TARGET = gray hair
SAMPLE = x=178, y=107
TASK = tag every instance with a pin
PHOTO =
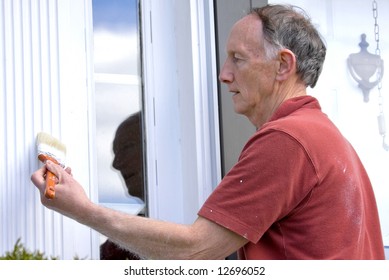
x=289, y=27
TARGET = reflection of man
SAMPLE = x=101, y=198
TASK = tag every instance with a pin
x=127, y=148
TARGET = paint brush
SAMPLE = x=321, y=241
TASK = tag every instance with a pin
x=50, y=148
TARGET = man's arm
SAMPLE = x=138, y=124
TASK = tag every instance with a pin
x=151, y=239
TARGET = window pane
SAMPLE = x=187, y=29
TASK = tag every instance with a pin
x=116, y=36
x=119, y=128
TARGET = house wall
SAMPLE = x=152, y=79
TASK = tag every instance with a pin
x=44, y=87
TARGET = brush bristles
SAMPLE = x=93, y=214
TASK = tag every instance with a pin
x=51, y=146
x=45, y=138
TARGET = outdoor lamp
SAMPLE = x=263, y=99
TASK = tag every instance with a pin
x=363, y=66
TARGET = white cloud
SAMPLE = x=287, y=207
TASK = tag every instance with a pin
x=116, y=52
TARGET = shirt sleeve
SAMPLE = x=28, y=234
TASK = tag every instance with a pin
x=273, y=175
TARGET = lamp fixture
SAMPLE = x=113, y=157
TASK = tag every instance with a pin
x=363, y=65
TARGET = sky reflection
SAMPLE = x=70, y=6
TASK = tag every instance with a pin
x=117, y=87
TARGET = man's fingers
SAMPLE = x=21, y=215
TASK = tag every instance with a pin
x=55, y=169
x=38, y=178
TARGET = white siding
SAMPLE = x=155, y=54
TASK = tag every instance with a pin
x=43, y=81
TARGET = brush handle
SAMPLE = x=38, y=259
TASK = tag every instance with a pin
x=50, y=177
x=50, y=183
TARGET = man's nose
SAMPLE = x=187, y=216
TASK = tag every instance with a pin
x=225, y=75
x=116, y=162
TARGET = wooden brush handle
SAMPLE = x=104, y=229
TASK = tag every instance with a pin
x=50, y=177
x=50, y=183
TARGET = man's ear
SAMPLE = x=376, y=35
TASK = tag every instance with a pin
x=287, y=64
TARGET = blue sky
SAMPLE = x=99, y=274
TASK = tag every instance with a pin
x=115, y=14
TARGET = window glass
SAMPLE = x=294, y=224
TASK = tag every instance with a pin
x=119, y=129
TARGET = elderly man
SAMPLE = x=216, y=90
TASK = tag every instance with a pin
x=298, y=190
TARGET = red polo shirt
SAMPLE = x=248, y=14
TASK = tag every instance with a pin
x=299, y=191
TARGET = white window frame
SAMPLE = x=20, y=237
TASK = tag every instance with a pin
x=180, y=106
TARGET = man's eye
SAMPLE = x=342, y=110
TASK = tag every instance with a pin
x=237, y=57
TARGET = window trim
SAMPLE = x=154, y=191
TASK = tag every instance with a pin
x=175, y=163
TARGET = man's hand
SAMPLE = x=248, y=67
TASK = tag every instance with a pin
x=70, y=198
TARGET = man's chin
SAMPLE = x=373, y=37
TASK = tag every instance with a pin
x=238, y=109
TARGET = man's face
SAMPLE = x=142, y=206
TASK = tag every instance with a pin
x=249, y=75
x=128, y=156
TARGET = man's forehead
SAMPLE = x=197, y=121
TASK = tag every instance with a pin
x=249, y=23
x=246, y=31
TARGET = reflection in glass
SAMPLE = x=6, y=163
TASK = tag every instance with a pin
x=128, y=154
x=119, y=136
x=116, y=37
